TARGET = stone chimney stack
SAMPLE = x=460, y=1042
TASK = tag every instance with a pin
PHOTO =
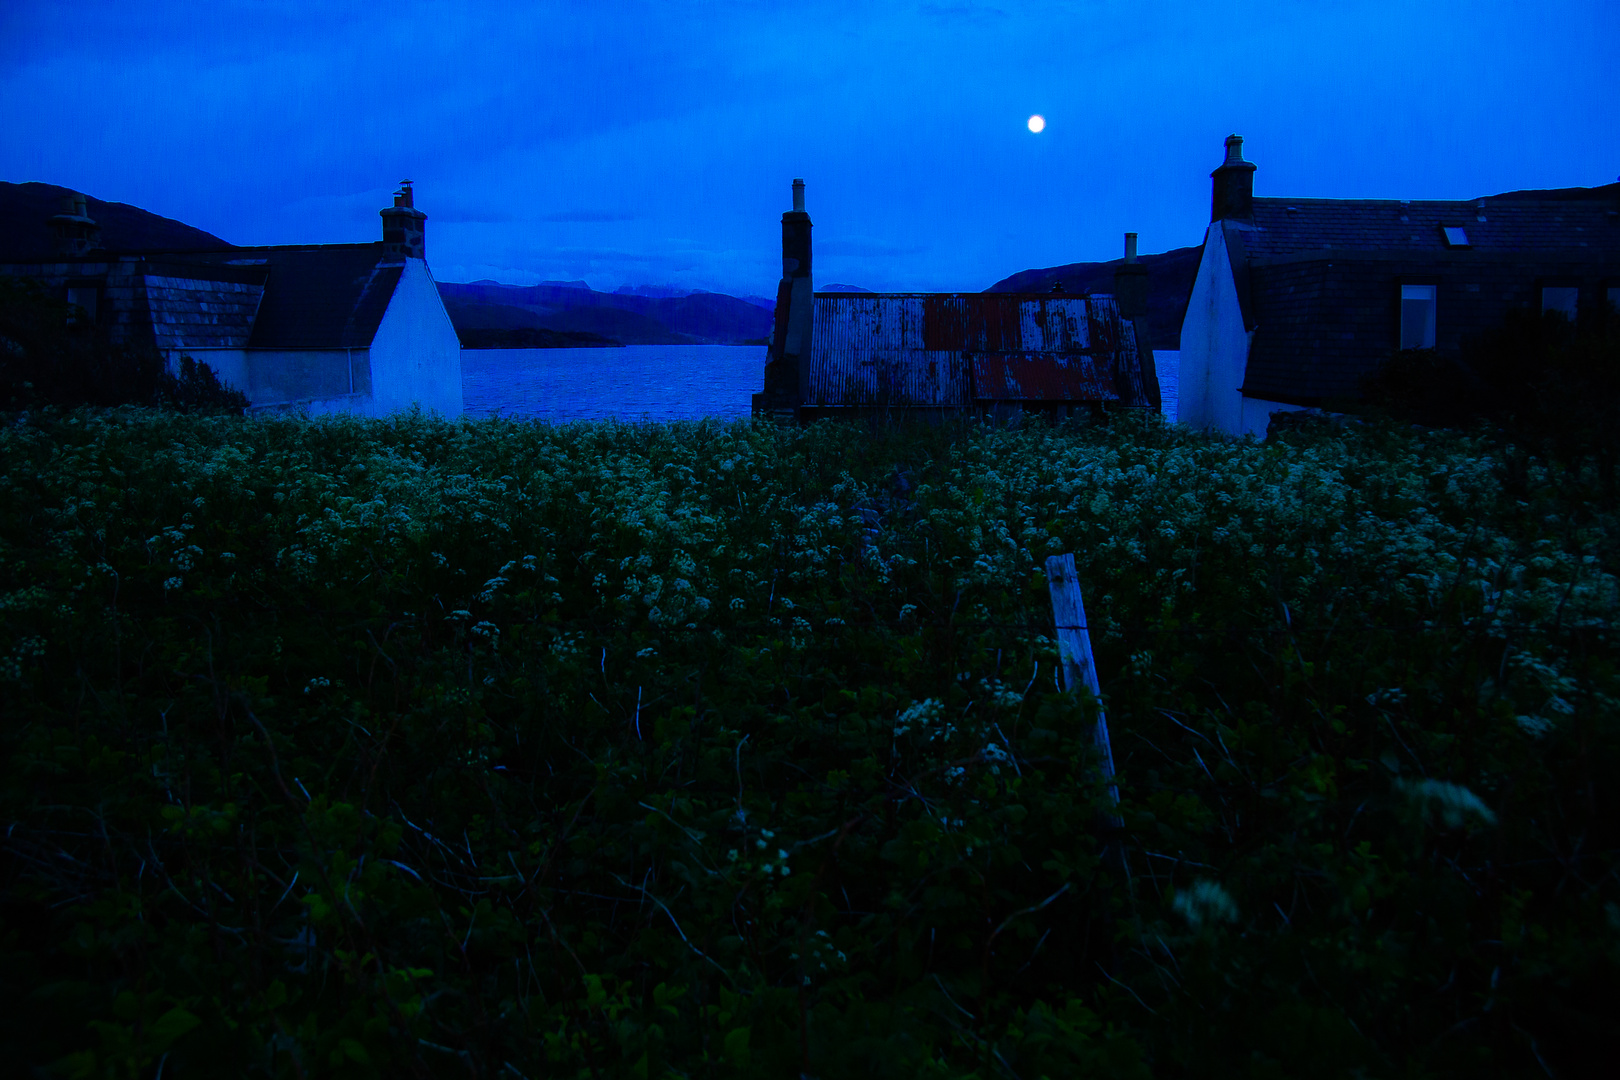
x=785, y=363
x=796, y=237
x=75, y=233
x=404, y=236
x=1233, y=195
x=1131, y=283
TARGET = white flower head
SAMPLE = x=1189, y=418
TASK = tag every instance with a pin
x=1204, y=902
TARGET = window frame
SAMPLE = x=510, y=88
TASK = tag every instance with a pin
x=1401, y=299
x=1549, y=284
x=92, y=310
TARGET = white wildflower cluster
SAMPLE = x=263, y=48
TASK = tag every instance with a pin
x=1548, y=689
x=999, y=695
x=1453, y=804
x=1204, y=903
x=821, y=954
x=927, y=718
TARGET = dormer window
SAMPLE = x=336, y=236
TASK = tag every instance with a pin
x=1456, y=236
x=1417, y=316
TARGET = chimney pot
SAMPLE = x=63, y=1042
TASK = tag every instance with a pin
x=404, y=232
x=1233, y=192
x=1130, y=283
x=75, y=234
x=798, y=196
x=1479, y=210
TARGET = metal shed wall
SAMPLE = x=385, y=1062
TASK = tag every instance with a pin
x=949, y=350
x=868, y=350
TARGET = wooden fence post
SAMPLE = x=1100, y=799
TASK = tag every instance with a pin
x=1075, y=660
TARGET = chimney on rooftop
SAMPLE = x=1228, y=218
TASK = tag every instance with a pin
x=74, y=232
x=786, y=360
x=1233, y=195
x=404, y=236
x=1131, y=283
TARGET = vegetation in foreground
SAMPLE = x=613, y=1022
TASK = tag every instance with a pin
x=407, y=747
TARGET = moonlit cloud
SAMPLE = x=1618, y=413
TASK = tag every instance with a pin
x=538, y=133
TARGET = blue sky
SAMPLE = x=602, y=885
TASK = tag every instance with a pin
x=654, y=143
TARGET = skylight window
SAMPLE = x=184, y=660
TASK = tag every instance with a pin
x=1456, y=235
x=1417, y=316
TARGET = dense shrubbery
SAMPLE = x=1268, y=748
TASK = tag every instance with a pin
x=52, y=354
x=1536, y=381
x=412, y=747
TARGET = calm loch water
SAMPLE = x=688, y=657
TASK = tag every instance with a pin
x=637, y=382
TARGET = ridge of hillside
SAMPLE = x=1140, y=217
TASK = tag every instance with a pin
x=25, y=231
x=1170, y=280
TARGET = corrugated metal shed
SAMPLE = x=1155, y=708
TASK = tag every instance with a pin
x=950, y=350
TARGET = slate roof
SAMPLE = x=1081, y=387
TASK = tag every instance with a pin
x=1318, y=279
x=330, y=296
x=1512, y=224
x=212, y=311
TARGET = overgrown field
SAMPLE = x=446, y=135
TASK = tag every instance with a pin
x=388, y=748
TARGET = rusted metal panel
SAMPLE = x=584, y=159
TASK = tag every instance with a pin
x=1040, y=376
x=867, y=351
x=974, y=322
x=1055, y=324
x=950, y=349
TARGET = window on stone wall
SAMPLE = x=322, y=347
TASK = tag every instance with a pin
x=1560, y=298
x=1614, y=297
x=1417, y=316
x=84, y=298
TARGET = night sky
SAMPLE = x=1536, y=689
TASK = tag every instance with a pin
x=654, y=143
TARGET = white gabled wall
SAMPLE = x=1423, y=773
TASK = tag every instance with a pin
x=1167, y=365
x=1214, y=344
x=416, y=356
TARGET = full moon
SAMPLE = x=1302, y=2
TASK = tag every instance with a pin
x=1037, y=123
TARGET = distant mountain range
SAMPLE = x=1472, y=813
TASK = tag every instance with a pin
x=700, y=318
x=1170, y=280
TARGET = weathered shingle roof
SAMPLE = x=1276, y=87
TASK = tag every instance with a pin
x=330, y=296
x=200, y=306
x=1318, y=279
x=1512, y=224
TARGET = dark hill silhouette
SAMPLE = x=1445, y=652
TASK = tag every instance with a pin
x=701, y=318
x=25, y=232
x=1170, y=280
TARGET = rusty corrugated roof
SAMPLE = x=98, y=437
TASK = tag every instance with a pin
x=931, y=350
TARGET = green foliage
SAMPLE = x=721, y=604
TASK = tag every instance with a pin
x=1537, y=380
x=362, y=748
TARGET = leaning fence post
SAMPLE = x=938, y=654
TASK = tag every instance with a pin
x=1078, y=666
